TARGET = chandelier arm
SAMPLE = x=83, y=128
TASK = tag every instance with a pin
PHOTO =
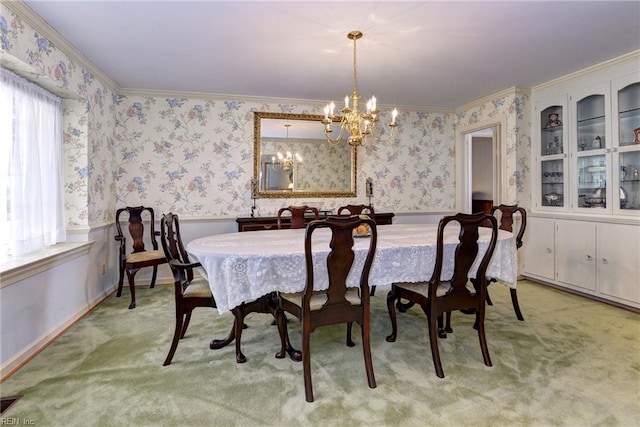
x=393, y=128
x=339, y=137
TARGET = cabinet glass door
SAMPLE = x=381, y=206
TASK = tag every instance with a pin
x=591, y=127
x=629, y=115
x=592, y=181
x=552, y=183
x=552, y=158
x=629, y=192
x=551, y=141
x=625, y=101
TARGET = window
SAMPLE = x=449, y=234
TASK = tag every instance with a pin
x=31, y=175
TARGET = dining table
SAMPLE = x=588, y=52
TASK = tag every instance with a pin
x=242, y=267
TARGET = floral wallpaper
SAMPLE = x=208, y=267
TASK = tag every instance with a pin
x=194, y=156
x=88, y=124
x=515, y=110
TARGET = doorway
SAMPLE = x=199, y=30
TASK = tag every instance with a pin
x=480, y=168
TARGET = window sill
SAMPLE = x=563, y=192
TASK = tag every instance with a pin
x=15, y=269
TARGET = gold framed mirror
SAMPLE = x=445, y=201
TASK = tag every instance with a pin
x=292, y=158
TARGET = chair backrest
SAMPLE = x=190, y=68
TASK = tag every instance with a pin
x=357, y=210
x=506, y=220
x=465, y=255
x=172, y=245
x=297, y=215
x=339, y=263
x=136, y=226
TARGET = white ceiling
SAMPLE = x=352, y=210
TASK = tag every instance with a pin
x=427, y=54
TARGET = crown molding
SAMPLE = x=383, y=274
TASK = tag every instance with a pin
x=585, y=71
x=503, y=93
x=42, y=27
x=262, y=99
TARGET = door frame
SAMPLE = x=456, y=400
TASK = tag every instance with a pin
x=463, y=162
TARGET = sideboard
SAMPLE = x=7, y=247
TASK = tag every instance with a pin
x=248, y=223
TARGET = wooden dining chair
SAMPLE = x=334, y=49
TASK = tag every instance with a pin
x=297, y=216
x=192, y=292
x=357, y=210
x=139, y=257
x=507, y=213
x=339, y=303
x=438, y=297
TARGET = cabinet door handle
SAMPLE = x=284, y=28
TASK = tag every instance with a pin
x=548, y=250
x=588, y=257
x=604, y=260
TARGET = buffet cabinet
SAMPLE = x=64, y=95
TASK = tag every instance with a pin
x=595, y=258
x=586, y=153
x=248, y=223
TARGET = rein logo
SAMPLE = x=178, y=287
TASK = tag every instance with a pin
x=14, y=421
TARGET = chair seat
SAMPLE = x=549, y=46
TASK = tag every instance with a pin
x=422, y=288
x=198, y=288
x=319, y=298
x=145, y=256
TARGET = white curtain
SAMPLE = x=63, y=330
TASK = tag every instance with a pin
x=31, y=176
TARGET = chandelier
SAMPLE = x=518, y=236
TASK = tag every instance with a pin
x=286, y=162
x=358, y=124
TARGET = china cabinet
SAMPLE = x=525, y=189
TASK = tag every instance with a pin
x=584, y=228
x=587, y=157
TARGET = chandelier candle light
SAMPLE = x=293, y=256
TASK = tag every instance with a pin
x=358, y=124
x=286, y=163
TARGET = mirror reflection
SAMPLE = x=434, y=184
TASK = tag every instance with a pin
x=292, y=158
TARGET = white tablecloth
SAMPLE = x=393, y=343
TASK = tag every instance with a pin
x=245, y=266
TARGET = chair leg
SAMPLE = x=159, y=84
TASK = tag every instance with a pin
x=442, y=329
x=366, y=348
x=516, y=306
x=176, y=338
x=350, y=342
x=120, y=281
x=132, y=287
x=489, y=302
x=153, y=277
x=433, y=340
x=403, y=307
x=306, y=361
x=186, y=323
x=483, y=339
x=373, y=291
x=391, y=298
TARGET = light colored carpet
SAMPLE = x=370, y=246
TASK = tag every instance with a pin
x=572, y=362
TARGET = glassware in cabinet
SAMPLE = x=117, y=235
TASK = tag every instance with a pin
x=592, y=181
x=551, y=134
x=629, y=178
x=552, y=183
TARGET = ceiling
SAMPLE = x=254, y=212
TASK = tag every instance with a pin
x=426, y=54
